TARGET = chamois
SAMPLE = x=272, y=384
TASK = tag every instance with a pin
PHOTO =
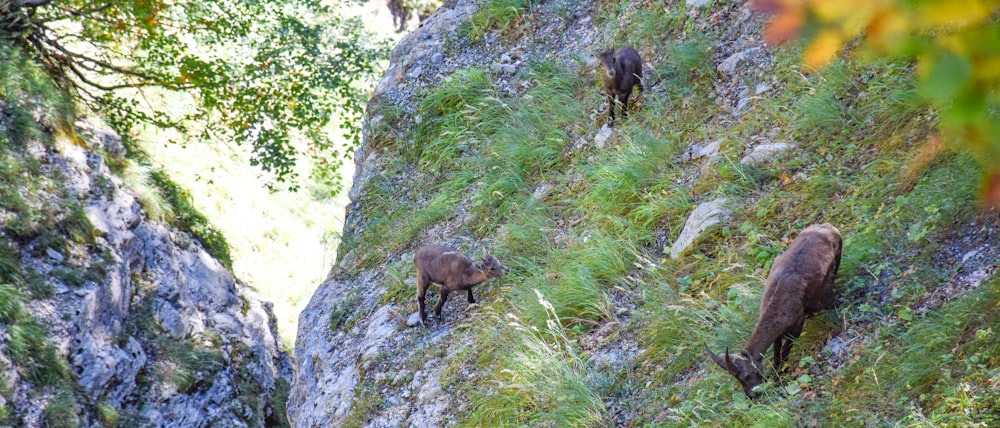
x=453, y=271
x=622, y=71
x=800, y=283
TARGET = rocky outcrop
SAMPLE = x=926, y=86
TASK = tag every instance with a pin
x=155, y=330
x=374, y=370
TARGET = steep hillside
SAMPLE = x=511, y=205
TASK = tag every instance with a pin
x=112, y=312
x=487, y=133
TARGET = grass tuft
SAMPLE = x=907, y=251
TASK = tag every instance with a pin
x=540, y=381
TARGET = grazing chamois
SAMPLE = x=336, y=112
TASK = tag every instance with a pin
x=800, y=283
x=622, y=71
x=453, y=271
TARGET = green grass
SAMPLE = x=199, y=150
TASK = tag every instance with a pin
x=28, y=343
x=540, y=381
x=188, y=218
x=506, y=15
x=108, y=415
x=62, y=411
x=26, y=91
x=583, y=225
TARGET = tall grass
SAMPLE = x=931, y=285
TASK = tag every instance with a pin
x=539, y=380
x=27, y=341
x=583, y=225
x=495, y=15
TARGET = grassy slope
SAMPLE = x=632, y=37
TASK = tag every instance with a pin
x=594, y=238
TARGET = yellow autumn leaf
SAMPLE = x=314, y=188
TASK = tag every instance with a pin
x=991, y=187
x=785, y=25
x=852, y=16
x=956, y=12
x=889, y=31
x=987, y=68
x=822, y=49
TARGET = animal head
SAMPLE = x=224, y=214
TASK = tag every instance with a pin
x=607, y=58
x=743, y=367
x=492, y=267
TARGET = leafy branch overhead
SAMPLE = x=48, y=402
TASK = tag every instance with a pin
x=262, y=72
x=956, y=45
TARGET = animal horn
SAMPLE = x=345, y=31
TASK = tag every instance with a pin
x=729, y=362
x=716, y=358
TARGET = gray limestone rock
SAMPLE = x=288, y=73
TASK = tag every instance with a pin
x=765, y=153
x=703, y=217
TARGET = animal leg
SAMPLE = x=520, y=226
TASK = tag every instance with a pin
x=472, y=300
x=611, y=109
x=422, y=283
x=440, y=304
x=778, y=352
x=789, y=336
x=623, y=99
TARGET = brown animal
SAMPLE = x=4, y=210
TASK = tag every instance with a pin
x=800, y=283
x=622, y=71
x=453, y=271
x=400, y=13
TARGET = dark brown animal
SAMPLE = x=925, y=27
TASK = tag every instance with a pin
x=453, y=271
x=400, y=13
x=800, y=283
x=622, y=71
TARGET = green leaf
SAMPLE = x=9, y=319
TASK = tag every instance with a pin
x=948, y=74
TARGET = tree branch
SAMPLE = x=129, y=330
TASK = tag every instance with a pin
x=33, y=3
x=78, y=13
x=116, y=68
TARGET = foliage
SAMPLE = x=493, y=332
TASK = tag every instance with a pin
x=62, y=411
x=540, y=381
x=261, y=72
x=190, y=367
x=956, y=45
x=27, y=341
x=589, y=227
x=187, y=217
x=344, y=312
x=495, y=14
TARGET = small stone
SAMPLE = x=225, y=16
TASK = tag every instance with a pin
x=762, y=88
x=729, y=65
x=706, y=215
x=54, y=255
x=696, y=151
x=413, y=319
x=602, y=137
x=414, y=72
x=743, y=103
x=765, y=153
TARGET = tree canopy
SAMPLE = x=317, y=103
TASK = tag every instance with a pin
x=260, y=72
x=956, y=45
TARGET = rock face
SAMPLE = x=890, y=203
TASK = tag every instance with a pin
x=374, y=360
x=162, y=334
